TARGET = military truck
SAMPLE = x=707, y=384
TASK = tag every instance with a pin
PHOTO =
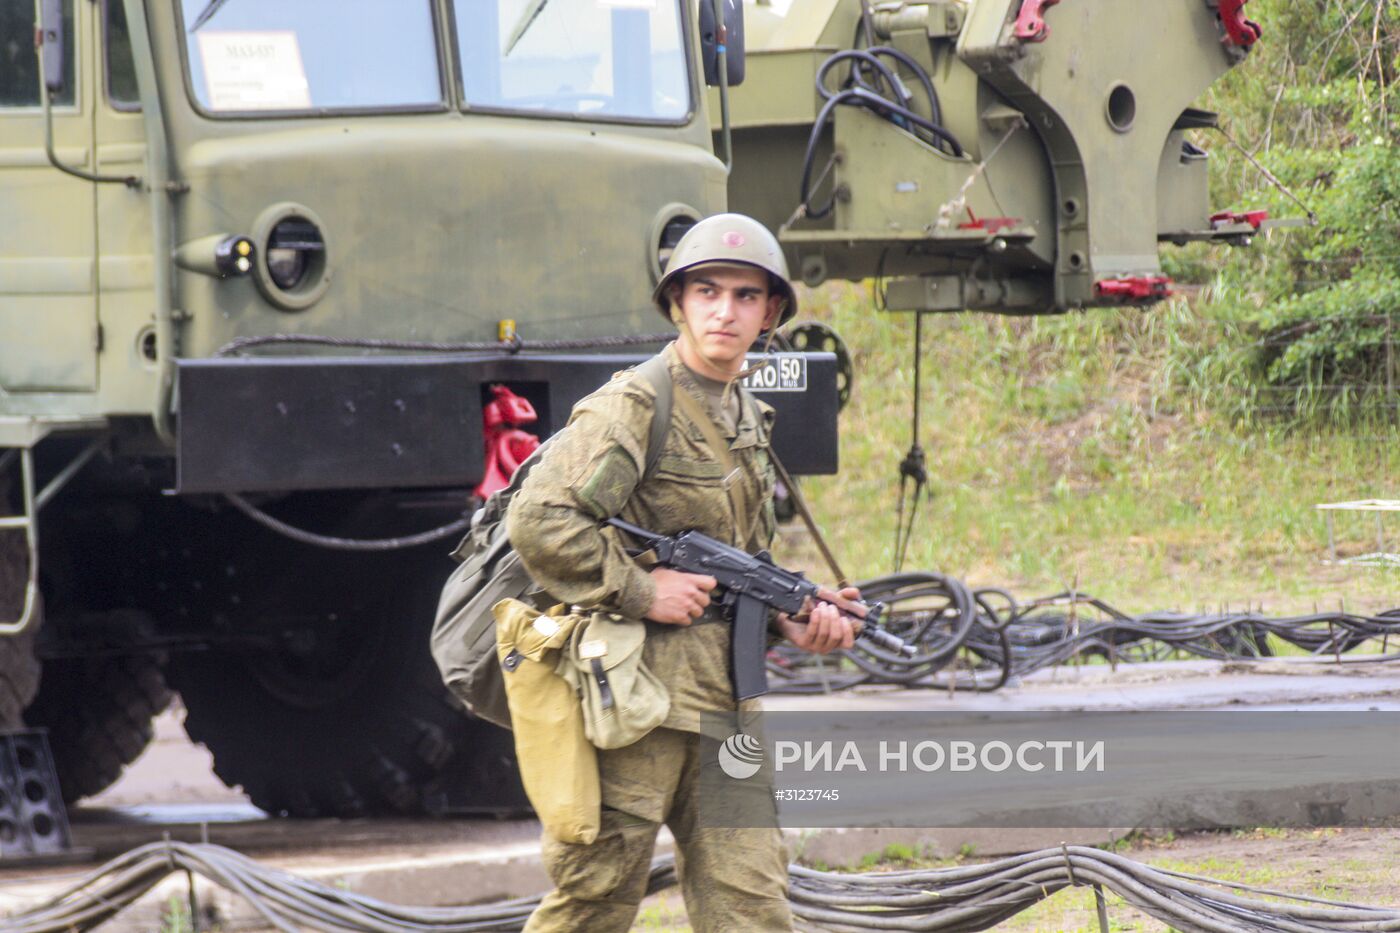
x=265, y=266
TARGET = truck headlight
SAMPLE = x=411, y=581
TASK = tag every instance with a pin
x=294, y=247
x=292, y=270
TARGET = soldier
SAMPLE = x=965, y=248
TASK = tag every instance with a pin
x=725, y=286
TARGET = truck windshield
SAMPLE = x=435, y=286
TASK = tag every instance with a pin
x=312, y=55
x=619, y=59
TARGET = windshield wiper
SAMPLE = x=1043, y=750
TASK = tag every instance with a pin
x=207, y=14
x=527, y=19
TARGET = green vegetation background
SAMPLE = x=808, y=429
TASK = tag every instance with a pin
x=1172, y=457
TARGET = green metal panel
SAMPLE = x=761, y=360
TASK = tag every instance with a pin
x=48, y=306
x=1097, y=58
x=126, y=261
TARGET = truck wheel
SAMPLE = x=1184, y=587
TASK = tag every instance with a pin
x=347, y=733
x=99, y=714
x=19, y=666
x=321, y=698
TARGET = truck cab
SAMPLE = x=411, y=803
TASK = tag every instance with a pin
x=265, y=269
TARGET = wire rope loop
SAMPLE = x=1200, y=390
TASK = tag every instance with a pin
x=331, y=542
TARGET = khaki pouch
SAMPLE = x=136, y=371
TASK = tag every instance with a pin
x=622, y=699
x=558, y=764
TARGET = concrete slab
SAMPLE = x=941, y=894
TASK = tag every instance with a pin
x=1178, y=685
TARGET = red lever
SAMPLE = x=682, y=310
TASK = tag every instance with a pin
x=1240, y=31
x=1135, y=288
x=1254, y=218
x=505, y=444
x=1030, y=22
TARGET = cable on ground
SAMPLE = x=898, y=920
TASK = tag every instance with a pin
x=963, y=898
x=1003, y=639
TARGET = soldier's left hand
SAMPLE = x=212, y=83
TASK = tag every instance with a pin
x=827, y=630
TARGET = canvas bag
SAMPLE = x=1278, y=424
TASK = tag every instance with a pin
x=558, y=765
x=622, y=699
x=463, y=641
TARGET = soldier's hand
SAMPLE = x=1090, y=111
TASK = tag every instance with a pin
x=680, y=597
x=827, y=630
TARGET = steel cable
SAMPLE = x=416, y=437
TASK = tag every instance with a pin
x=961, y=898
x=515, y=345
x=302, y=536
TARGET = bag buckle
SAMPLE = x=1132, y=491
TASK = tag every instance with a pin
x=512, y=660
x=605, y=695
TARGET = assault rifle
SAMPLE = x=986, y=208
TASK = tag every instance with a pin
x=749, y=585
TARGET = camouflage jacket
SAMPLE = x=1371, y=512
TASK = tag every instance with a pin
x=592, y=471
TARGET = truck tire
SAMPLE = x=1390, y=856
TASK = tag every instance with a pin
x=379, y=747
x=99, y=714
x=19, y=666
x=315, y=691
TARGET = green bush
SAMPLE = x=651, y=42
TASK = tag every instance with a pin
x=1301, y=323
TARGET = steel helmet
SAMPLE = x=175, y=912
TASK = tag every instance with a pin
x=733, y=239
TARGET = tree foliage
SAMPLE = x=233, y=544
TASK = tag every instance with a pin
x=1314, y=104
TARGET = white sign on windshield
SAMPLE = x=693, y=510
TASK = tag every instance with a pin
x=254, y=71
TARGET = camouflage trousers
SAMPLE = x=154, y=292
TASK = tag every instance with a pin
x=731, y=879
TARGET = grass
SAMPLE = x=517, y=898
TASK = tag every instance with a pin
x=664, y=913
x=1072, y=910
x=1090, y=450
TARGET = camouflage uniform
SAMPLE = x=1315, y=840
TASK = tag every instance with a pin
x=732, y=879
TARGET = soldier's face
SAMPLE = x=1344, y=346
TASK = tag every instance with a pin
x=724, y=309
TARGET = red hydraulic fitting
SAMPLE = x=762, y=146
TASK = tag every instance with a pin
x=1238, y=30
x=1135, y=288
x=507, y=408
x=1030, y=22
x=505, y=444
x=990, y=224
x=1226, y=218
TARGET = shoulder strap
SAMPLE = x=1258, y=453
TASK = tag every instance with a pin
x=658, y=372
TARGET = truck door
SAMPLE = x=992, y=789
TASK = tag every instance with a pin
x=48, y=304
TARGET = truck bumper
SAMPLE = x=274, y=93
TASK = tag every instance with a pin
x=299, y=423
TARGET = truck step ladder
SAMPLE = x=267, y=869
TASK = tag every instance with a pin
x=18, y=438
x=25, y=522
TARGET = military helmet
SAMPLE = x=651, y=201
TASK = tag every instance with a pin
x=733, y=239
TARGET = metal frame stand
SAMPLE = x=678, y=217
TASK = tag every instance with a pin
x=1380, y=557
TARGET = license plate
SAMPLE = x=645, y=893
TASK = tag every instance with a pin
x=781, y=372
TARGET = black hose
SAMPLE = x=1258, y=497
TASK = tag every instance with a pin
x=875, y=86
x=941, y=616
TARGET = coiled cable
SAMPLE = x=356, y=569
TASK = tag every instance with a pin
x=1002, y=639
